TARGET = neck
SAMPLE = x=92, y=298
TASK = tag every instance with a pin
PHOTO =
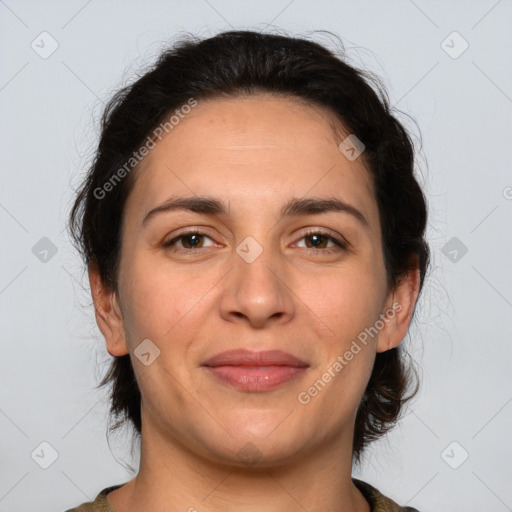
x=170, y=475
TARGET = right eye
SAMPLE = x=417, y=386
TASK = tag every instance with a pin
x=190, y=241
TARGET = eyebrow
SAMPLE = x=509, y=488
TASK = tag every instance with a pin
x=294, y=207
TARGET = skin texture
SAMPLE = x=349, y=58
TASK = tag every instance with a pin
x=255, y=153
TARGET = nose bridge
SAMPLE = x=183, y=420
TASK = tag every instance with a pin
x=255, y=288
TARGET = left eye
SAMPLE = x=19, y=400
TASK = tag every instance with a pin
x=318, y=241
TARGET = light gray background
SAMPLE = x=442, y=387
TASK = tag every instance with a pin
x=52, y=353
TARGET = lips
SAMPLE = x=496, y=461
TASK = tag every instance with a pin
x=248, y=358
x=255, y=371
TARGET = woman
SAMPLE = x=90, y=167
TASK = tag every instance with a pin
x=254, y=237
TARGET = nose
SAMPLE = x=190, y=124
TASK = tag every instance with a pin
x=257, y=293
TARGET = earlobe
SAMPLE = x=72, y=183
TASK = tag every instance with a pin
x=399, y=311
x=108, y=313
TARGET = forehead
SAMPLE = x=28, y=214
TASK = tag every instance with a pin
x=253, y=149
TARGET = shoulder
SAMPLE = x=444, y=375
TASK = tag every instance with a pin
x=100, y=504
x=378, y=502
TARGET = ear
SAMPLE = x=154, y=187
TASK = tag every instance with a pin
x=108, y=313
x=399, y=309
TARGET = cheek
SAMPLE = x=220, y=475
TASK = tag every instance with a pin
x=160, y=300
x=164, y=306
x=347, y=301
x=347, y=304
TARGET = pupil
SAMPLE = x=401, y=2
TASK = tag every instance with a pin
x=196, y=237
x=316, y=240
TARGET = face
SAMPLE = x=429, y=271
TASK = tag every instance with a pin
x=252, y=276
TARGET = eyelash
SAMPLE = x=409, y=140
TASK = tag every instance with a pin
x=339, y=244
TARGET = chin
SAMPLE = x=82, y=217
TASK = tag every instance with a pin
x=260, y=445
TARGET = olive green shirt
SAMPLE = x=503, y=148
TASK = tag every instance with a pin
x=378, y=502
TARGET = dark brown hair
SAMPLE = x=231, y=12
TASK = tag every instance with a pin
x=247, y=62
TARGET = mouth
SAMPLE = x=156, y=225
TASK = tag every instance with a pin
x=255, y=371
